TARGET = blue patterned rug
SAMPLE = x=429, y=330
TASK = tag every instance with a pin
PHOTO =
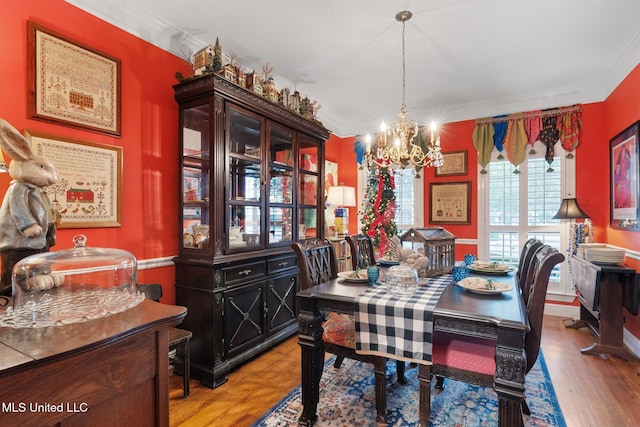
x=347, y=398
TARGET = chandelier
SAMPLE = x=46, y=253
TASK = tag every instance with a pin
x=403, y=144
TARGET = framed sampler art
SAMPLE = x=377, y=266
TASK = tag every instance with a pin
x=72, y=84
x=455, y=163
x=625, y=172
x=88, y=193
x=450, y=203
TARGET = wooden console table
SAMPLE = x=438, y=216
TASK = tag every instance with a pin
x=104, y=372
x=601, y=290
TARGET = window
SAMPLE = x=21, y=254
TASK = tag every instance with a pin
x=409, y=197
x=516, y=207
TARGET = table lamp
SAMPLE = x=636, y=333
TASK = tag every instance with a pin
x=342, y=197
x=578, y=233
x=570, y=209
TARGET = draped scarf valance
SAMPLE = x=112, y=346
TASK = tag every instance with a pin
x=510, y=134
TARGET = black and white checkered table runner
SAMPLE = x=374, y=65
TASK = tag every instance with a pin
x=397, y=326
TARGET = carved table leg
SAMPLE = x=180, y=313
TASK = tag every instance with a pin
x=424, y=377
x=509, y=385
x=312, y=352
x=380, y=371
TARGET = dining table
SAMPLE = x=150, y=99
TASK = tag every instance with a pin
x=498, y=316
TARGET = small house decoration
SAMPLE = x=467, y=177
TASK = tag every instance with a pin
x=254, y=83
x=436, y=244
x=285, y=97
x=270, y=90
x=210, y=59
x=229, y=72
x=242, y=78
x=203, y=61
x=295, y=102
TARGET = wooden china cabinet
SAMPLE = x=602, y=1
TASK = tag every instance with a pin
x=251, y=179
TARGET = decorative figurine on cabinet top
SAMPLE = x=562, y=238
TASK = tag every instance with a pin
x=27, y=219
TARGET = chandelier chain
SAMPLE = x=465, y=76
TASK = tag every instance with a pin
x=404, y=66
x=403, y=144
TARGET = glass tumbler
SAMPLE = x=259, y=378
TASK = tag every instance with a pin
x=459, y=272
x=373, y=273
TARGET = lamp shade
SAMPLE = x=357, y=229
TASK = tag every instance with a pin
x=342, y=196
x=569, y=209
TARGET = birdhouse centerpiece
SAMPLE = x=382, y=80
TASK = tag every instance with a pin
x=436, y=244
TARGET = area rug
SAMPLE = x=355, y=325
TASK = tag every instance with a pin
x=347, y=398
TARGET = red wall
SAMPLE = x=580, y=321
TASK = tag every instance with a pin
x=622, y=108
x=340, y=150
x=149, y=127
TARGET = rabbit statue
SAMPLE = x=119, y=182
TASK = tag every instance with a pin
x=27, y=219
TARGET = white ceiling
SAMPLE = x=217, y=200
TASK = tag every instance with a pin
x=465, y=59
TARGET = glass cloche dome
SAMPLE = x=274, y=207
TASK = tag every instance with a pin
x=71, y=286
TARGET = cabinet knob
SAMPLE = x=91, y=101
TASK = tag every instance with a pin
x=283, y=264
x=244, y=272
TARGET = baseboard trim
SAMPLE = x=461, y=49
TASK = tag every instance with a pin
x=562, y=310
x=632, y=342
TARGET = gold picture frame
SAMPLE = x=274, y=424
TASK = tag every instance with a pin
x=88, y=193
x=72, y=84
x=450, y=202
x=455, y=163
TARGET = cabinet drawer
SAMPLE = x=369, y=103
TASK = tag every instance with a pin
x=279, y=264
x=243, y=272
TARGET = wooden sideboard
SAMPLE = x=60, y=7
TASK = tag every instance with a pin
x=603, y=291
x=104, y=372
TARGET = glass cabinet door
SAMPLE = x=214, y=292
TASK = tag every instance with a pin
x=281, y=186
x=195, y=178
x=244, y=189
x=309, y=189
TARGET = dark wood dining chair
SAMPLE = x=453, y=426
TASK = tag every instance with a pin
x=362, y=254
x=472, y=359
x=530, y=248
x=317, y=264
x=179, y=339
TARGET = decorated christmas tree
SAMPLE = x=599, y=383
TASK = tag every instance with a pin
x=379, y=209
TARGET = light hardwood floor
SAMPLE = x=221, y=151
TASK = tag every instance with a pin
x=592, y=391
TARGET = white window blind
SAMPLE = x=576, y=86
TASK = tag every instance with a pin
x=516, y=207
x=408, y=199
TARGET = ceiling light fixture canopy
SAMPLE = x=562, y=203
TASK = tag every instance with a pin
x=402, y=144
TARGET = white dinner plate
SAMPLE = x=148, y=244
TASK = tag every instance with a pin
x=349, y=276
x=488, y=269
x=480, y=286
